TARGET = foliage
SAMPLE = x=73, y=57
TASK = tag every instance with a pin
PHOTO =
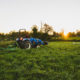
x=56, y=61
x=72, y=34
x=47, y=28
x=45, y=33
x=35, y=31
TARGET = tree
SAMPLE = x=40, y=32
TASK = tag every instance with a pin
x=71, y=34
x=78, y=33
x=47, y=28
x=56, y=34
x=62, y=33
x=34, y=30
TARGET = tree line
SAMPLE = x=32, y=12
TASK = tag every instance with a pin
x=46, y=32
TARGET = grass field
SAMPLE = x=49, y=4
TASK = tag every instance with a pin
x=65, y=38
x=56, y=61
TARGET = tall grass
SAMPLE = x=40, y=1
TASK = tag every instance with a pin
x=56, y=61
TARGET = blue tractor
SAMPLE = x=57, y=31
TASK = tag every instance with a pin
x=27, y=43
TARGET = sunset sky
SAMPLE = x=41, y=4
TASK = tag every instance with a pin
x=61, y=14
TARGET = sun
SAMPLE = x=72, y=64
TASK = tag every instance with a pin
x=65, y=35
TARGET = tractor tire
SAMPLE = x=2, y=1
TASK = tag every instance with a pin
x=24, y=44
x=27, y=45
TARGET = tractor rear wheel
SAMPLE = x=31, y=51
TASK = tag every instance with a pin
x=27, y=45
x=24, y=44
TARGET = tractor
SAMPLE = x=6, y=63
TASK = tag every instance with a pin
x=29, y=42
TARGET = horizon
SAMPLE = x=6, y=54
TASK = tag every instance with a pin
x=29, y=30
x=18, y=14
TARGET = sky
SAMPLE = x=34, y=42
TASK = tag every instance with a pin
x=18, y=14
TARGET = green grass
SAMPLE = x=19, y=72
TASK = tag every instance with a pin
x=56, y=61
x=5, y=44
x=66, y=38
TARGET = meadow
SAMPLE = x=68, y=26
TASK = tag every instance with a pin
x=56, y=61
